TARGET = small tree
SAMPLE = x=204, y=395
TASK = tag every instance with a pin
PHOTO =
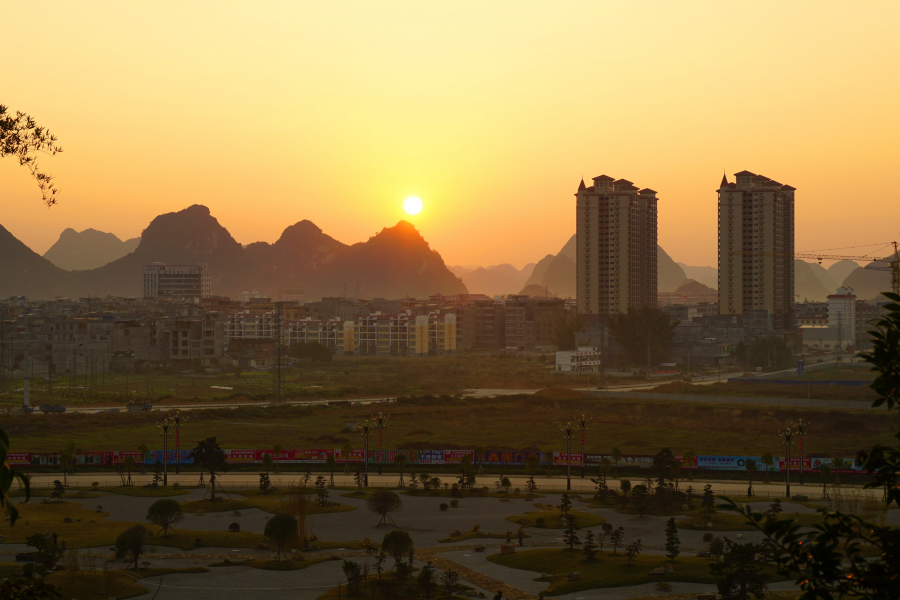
x=264, y=482
x=353, y=573
x=590, y=547
x=321, y=491
x=267, y=463
x=570, y=537
x=131, y=544
x=400, y=463
x=281, y=531
x=144, y=450
x=331, y=465
x=397, y=544
x=358, y=478
x=673, y=544
x=565, y=505
x=615, y=538
x=633, y=549
x=740, y=574
x=837, y=465
x=774, y=508
x=689, y=458
x=426, y=580
x=129, y=466
x=639, y=498
x=379, y=562
x=277, y=448
x=825, y=472
x=768, y=460
x=617, y=456
x=532, y=463
x=157, y=473
x=48, y=552
x=716, y=548
x=625, y=486
x=166, y=513
x=22, y=138
x=449, y=579
x=208, y=455
x=58, y=490
x=750, y=467
x=709, y=500
x=384, y=503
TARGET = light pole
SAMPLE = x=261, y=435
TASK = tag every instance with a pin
x=568, y=431
x=164, y=427
x=177, y=420
x=788, y=437
x=582, y=424
x=365, y=428
x=380, y=422
x=802, y=428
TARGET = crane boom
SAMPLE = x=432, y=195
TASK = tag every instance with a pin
x=893, y=262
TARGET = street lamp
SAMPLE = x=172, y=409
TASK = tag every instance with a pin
x=802, y=428
x=164, y=426
x=380, y=422
x=582, y=424
x=365, y=428
x=788, y=436
x=177, y=420
x=568, y=431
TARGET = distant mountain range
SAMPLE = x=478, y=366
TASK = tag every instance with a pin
x=89, y=249
x=394, y=263
x=494, y=280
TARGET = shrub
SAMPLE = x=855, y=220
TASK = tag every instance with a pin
x=176, y=486
x=540, y=522
x=708, y=537
x=475, y=528
x=443, y=506
x=234, y=527
x=95, y=485
x=454, y=503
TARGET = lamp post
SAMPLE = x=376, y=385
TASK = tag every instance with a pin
x=568, y=431
x=177, y=420
x=164, y=426
x=582, y=424
x=802, y=428
x=365, y=428
x=788, y=436
x=380, y=422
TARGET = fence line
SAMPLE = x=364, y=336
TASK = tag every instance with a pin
x=768, y=400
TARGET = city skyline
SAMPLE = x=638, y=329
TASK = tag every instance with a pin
x=276, y=116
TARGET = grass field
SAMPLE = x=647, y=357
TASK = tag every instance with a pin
x=272, y=565
x=862, y=394
x=507, y=422
x=271, y=502
x=550, y=518
x=608, y=570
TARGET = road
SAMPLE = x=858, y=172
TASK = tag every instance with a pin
x=555, y=483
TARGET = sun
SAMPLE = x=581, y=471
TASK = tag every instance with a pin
x=412, y=205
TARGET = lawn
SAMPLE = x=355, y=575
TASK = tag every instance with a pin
x=735, y=522
x=143, y=492
x=90, y=528
x=117, y=584
x=508, y=422
x=271, y=502
x=272, y=565
x=480, y=535
x=607, y=570
x=552, y=519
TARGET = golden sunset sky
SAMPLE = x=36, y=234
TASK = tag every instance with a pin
x=490, y=112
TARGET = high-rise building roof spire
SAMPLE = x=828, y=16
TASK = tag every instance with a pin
x=582, y=186
x=724, y=179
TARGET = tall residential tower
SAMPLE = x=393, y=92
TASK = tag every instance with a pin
x=615, y=246
x=756, y=248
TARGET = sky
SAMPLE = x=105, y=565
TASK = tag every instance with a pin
x=490, y=112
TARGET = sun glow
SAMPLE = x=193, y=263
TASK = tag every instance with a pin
x=412, y=205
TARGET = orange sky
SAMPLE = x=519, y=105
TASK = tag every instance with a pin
x=271, y=112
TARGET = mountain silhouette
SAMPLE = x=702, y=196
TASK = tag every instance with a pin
x=395, y=262
x=88, y=249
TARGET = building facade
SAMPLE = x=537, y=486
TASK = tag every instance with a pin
x=175, y=281
x=756, y=247
x=842, y=315
x=616, y=236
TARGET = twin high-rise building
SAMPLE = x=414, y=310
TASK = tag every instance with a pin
x=617, y=254
x=615, y=246
x=756, y=248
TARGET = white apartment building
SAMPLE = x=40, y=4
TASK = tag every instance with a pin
x=756, y=247
x=583, y=360
x=842, y=315
x=172, y=281
x=616, y=231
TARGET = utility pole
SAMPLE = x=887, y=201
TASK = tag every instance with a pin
x=164, y=427
x=568, y=431
x=177, y=420
x=365, y=428
x=788, y=437
x=582, y=424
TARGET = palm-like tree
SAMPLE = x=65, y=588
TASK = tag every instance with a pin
x=209, y=457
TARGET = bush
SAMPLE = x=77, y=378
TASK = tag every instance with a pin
x=176, y=486
x=443, y=506
x=540, y=522
x=454, y=503
x=95, y=484
x=234, y=527
x=708, y=537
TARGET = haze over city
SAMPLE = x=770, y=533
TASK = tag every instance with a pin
x=508, y=300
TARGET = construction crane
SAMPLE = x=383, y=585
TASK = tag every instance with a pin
x=891, y=263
